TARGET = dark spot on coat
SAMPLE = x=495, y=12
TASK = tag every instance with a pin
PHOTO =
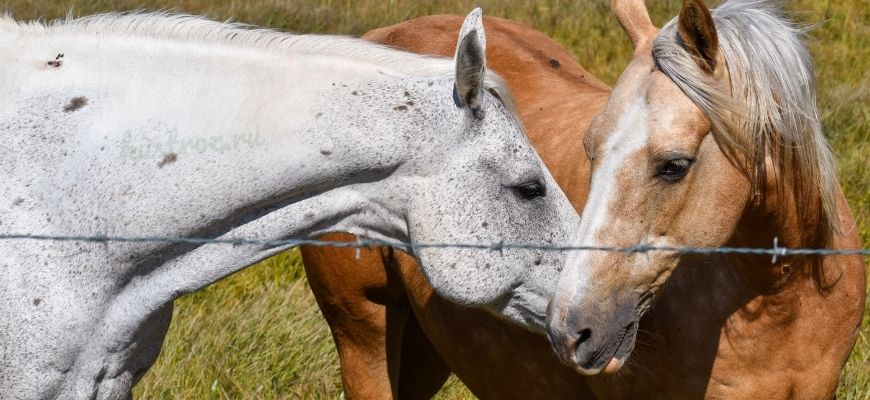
x=59, y=56
x=55, y=63
x=18, y=202
x=401, y=108
x=36, y=301
x=555, y=63
x=484, y=224
x=410, y=103
x=75, y=103
x=167, y=159
x=355, y=93
x=319, y=115
x=325, y=152
x=407, y=94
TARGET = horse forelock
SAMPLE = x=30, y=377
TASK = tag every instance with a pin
x=768, y=111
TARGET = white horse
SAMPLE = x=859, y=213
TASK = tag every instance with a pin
x=156, y=125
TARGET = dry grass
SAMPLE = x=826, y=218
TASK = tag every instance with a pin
x=259, y=334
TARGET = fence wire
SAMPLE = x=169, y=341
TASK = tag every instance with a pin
x=361, y=243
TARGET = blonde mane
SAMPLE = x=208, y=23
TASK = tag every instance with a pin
x=769, y=112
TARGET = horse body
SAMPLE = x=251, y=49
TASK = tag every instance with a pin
x=722, y=326
x=172, y=126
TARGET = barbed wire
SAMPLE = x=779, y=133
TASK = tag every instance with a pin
x=775, y=251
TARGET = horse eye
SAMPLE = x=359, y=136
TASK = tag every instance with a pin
x=531, y=190
x=674, y=170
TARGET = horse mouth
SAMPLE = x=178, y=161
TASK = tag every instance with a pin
x=613, y=358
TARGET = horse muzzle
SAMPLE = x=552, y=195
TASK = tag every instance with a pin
x=594, y=339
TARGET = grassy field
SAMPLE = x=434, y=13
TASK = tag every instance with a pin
x=259, y=334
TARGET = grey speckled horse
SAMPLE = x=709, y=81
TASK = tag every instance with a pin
x=156, y=125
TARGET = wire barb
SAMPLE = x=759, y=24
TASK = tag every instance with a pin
x=358, y=249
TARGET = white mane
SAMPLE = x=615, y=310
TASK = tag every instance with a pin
x=198, y=29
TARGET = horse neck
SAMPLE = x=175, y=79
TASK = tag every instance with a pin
x=314, y=127
x=775, y=219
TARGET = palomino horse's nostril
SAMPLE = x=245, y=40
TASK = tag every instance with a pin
x=582, y=348
x=583, y=336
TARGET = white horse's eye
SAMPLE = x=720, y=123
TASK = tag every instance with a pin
x=531, y=190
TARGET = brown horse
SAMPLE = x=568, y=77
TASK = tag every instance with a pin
x=727, y=327
x=368, y=301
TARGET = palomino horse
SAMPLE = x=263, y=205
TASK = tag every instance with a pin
x=159, y=126
x=689, y=344
x=712, y=137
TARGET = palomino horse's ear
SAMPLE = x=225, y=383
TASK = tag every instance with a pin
x=698, y=33
x=470, y=61
x=634, y=18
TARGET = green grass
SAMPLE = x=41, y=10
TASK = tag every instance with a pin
x=259, y=334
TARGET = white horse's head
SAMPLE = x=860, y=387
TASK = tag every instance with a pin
x=489, y=186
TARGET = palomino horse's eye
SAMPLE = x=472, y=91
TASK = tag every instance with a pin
x=674, y=170
x=531, y=190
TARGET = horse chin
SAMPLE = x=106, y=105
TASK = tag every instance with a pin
x=525, y=308
x=613, y=366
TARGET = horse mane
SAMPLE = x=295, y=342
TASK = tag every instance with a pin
x=769, y=112
x=198, y=29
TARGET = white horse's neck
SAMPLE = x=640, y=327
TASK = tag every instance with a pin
x=216, y=127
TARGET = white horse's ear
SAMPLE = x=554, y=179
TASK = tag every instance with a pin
x=470, y=61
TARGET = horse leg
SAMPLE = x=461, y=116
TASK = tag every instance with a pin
x=423, y=371
x=366, y=310
x=107, y=376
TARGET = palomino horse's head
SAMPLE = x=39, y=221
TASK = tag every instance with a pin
x=714, y=118
x=488, y=187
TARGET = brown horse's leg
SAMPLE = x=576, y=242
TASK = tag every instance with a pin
x=423, y=371
x=366, y=309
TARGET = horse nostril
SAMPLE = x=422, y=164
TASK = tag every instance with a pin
x=583, y=336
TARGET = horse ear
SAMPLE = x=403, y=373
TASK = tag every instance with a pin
x=634, y=19
x=698, y=33
x=470, y=62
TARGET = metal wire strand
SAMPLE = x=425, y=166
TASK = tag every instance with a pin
x=774, y=251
